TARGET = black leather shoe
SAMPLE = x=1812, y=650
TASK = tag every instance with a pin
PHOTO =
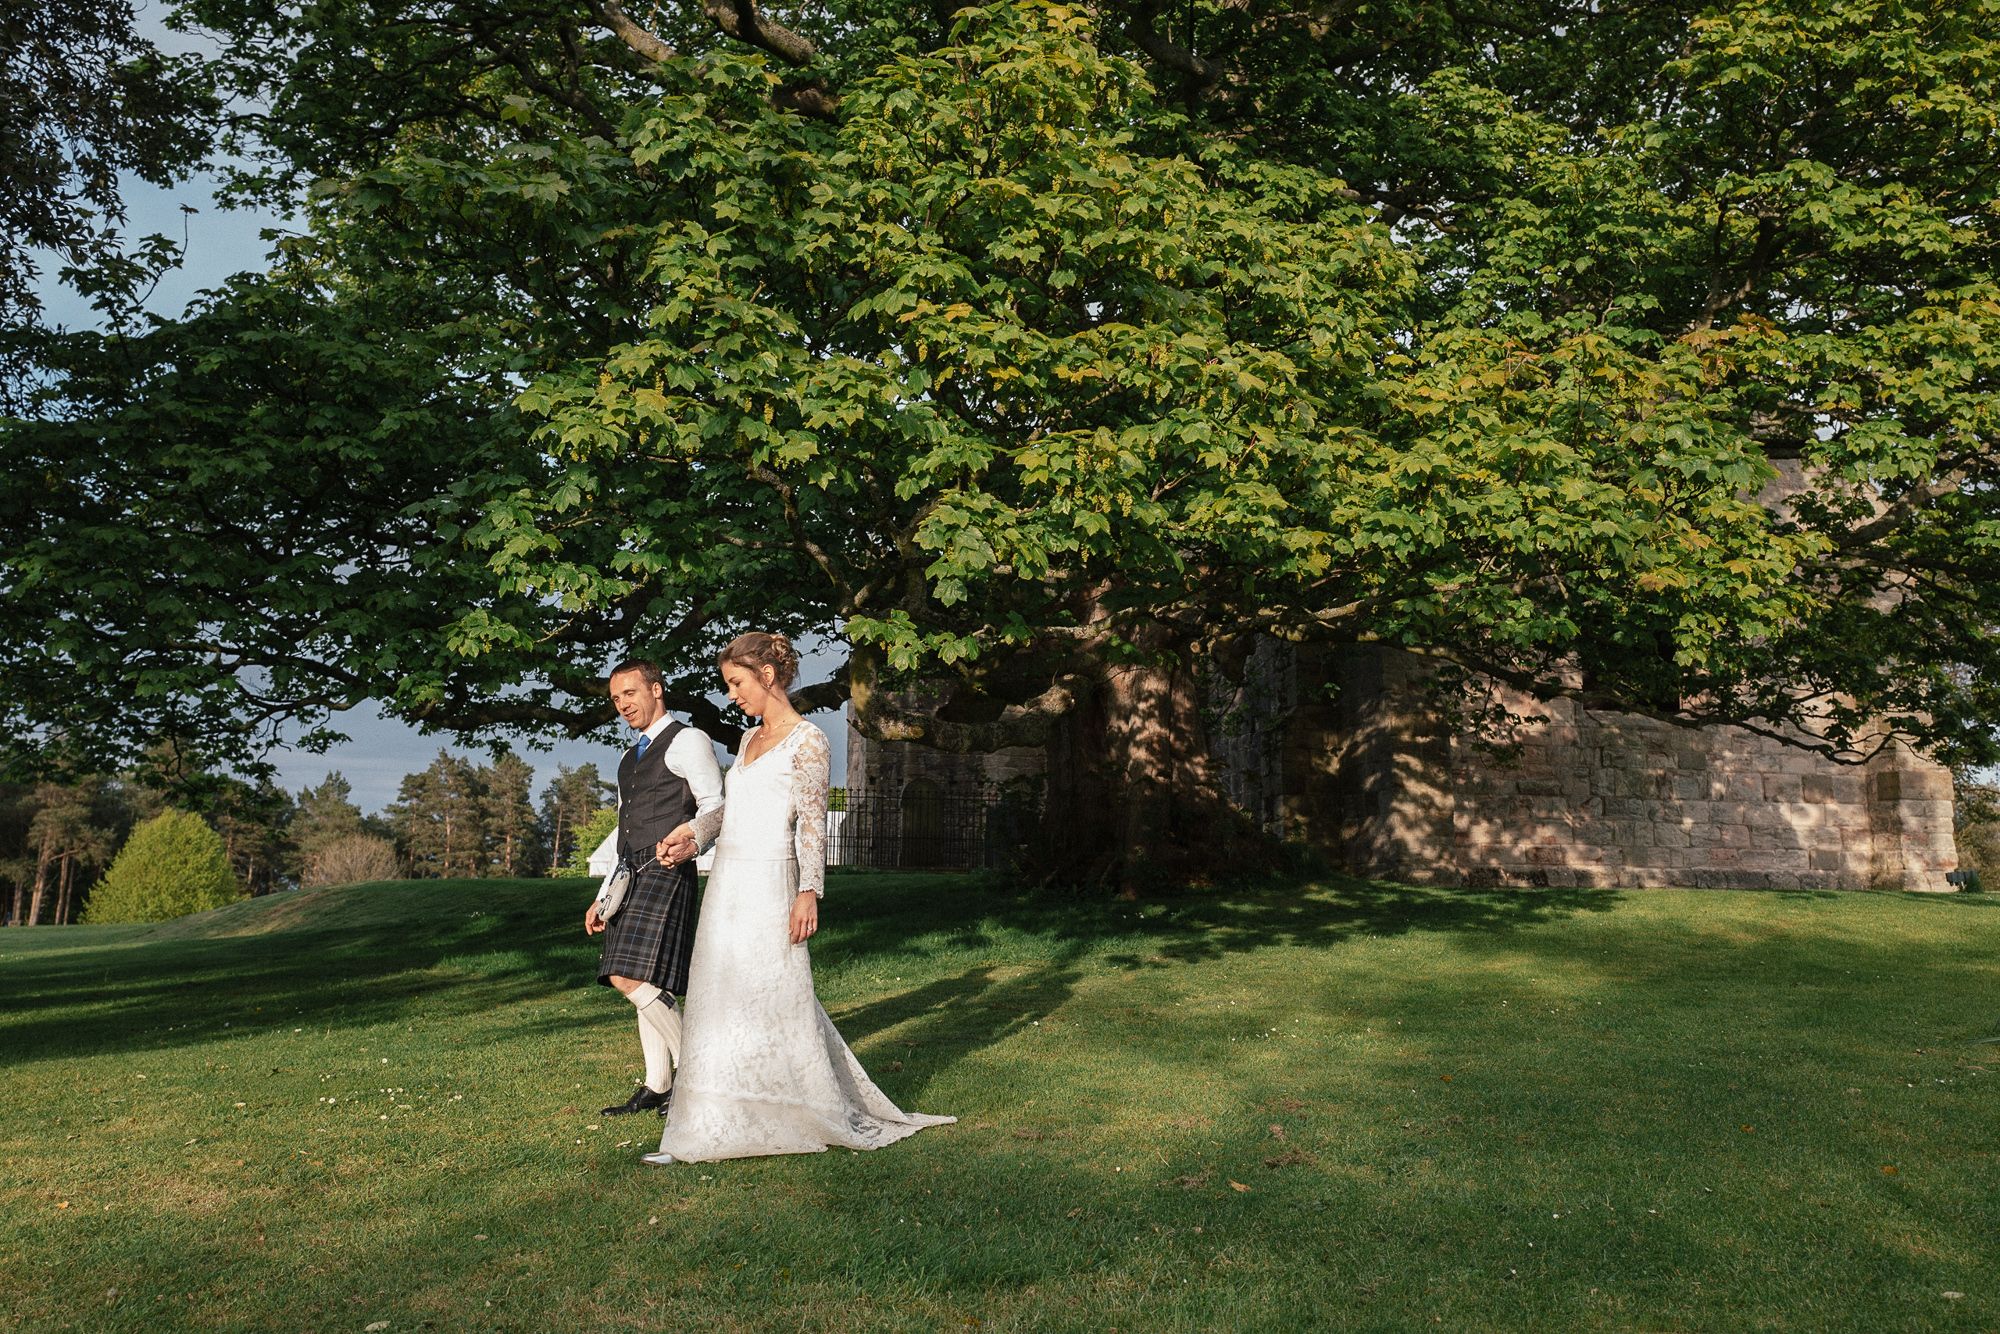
x=643, y=1099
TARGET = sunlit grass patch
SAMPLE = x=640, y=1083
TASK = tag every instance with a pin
x=1308, y=1106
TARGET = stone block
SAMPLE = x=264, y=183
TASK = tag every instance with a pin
x=1539, y=787
x=1736, y=787
x=1689, y=786
x=1789, y=837
x=1655, y=783
x=1774, y=861
x=1910, y=785
x=1619, y=756
x=1783, y=787
x=1599, y=833
x=1719, y=836
x=1761, y=816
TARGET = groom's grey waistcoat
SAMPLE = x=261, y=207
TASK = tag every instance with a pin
x=652, y=799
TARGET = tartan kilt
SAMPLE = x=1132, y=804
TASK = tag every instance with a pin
x=652, y=935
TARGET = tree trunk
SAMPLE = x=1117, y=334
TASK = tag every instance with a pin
x=1134, y=798
x=44, y=859
x=65, y=878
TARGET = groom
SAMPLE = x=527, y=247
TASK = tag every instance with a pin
x=667, y=778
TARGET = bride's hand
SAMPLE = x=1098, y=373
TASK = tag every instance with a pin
x=679, y=846
x=805, y=915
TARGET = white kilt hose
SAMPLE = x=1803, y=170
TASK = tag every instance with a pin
x=653, y=934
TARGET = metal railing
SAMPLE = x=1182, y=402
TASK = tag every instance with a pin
x=927, y=831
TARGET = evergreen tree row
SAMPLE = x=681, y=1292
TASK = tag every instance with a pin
x=60, y=843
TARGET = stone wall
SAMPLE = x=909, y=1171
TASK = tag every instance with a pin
x=1594, y=798
x=1344, y=750
x=1616, y=800
x=887, y=768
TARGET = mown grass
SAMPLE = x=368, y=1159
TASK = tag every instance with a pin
x=1330, y=1106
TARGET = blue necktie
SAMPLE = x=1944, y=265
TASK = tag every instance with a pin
x=639, y=751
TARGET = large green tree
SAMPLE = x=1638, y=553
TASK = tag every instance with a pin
x=1640, y=353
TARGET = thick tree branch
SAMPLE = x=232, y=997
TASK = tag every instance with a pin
x=638, y=38
x=828, y=694
x=887, y=718
x=1201, y=73
x=743, y=21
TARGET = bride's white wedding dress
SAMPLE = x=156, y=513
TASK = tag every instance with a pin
x=763, y=1070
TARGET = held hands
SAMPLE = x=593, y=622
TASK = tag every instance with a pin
x=677, y=847
x=805, y=915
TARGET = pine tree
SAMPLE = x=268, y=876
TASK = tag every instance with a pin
x=570, y=799
x=326, y=815
x=74, y=828
x=513, y=834
x=439, y=820
x=255, y=825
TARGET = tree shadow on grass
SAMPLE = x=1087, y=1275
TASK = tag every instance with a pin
x=952, y=1017
x=377, y=954
x=175, y=987
x=1186, y=927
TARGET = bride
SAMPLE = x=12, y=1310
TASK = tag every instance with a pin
x=763, y=1070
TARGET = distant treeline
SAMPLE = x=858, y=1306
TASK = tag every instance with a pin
x=455, y=818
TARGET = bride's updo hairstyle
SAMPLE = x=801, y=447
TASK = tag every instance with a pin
x=758, y=650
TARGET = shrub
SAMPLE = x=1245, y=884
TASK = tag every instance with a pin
x=172, y=865
x=351, y=859
x=588, y=835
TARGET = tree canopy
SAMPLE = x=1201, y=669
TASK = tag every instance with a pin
x=1639, y=353
x=91, y=106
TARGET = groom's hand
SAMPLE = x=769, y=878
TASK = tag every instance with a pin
x=674, y=850
x=592, y=923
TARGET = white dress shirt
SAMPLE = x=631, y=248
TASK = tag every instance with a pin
x=691, y=758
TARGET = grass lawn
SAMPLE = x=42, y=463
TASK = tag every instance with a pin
x=1335, y=1106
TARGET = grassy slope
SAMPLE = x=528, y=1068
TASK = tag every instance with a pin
x=1353, y=1107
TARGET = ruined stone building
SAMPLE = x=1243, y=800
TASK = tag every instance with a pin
x=1343, y=750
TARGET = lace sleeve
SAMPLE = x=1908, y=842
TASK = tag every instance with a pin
x=809, y=776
